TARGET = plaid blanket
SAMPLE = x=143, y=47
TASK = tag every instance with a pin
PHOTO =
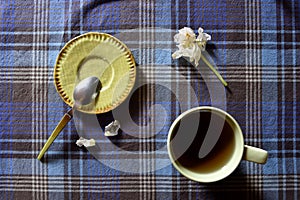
x=255, y=45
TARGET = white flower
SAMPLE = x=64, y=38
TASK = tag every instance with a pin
x=190, y=46
x=186, y=37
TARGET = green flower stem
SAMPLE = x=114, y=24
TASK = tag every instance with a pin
x=214, y=70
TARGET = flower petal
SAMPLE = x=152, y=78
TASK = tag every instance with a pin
x=176, y=54
x=207, y=36
x=200, y=30
x=187, y=30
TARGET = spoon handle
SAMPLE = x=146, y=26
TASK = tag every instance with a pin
x=63, y=122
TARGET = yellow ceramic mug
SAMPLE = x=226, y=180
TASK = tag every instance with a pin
x=206, y=144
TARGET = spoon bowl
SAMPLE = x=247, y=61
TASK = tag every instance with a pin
x=86, y=91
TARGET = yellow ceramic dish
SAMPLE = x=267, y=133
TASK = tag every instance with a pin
x=100, y=55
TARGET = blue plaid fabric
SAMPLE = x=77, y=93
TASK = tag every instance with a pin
x=255, y=45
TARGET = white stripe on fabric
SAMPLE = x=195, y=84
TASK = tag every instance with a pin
x=284, y=164
x=275, y=31
x=34, y=145
x=294, y=58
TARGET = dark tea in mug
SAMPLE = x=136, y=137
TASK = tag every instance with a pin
x=194, y=128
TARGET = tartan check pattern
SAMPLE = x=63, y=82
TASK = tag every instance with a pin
x=255, y=45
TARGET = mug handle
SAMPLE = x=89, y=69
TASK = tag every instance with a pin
x=255, y=154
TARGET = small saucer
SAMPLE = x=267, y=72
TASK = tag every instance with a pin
x=100, y=55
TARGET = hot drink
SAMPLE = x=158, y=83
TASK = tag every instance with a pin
x=193, y=128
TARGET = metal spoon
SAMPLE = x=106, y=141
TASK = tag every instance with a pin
x=84, y=93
